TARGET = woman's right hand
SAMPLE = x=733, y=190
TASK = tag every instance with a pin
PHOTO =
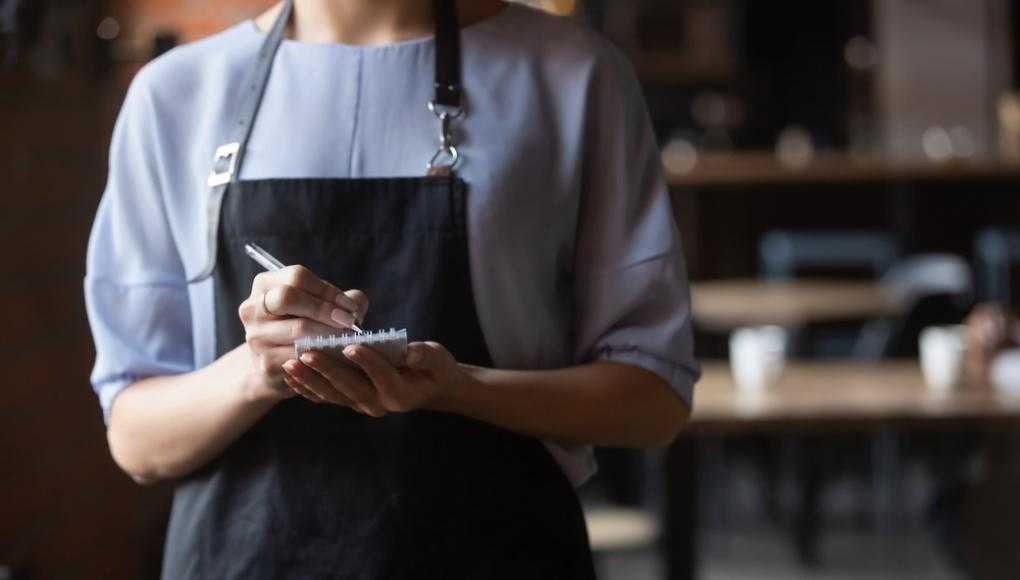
x=285, y=305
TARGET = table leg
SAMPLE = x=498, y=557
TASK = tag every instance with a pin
x=887, y=476
x=680, y=537
x=809, y=455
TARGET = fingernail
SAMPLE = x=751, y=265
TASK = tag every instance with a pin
x=344, y=302
x=342, y=317
x=350, y=352
x=306, y=358
x=414, y=356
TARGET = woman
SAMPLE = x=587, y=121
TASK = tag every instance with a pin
x=537, y=265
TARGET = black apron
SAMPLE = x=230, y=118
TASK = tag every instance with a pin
x=320, y=491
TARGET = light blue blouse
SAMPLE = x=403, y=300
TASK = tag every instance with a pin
x=575, y=255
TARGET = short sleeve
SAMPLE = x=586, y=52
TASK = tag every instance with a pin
x=136, y=293
x=632, y=296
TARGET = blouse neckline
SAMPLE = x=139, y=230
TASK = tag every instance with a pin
x=251, y=28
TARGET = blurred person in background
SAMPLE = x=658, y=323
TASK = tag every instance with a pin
x=993, y=335
x=976, y=475
x=536, y=266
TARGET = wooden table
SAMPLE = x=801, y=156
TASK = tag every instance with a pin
x=723, y=305
x=813, y=397
x=849, y=394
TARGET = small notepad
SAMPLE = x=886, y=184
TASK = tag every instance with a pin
x=391, y=343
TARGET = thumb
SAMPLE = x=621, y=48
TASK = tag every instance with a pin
x=424, y=356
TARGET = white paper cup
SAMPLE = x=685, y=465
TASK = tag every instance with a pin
x=942, y=350
x=1005, y=371
x=757, y=357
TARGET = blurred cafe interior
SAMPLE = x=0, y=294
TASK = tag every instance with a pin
x=845, y=176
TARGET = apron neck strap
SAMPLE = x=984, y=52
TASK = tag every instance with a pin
x=448, y=87
x=229, y=157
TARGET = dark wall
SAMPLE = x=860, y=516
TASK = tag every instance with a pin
x=794, y=71
x=66, y=511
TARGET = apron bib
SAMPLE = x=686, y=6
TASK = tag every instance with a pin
x=320, y=491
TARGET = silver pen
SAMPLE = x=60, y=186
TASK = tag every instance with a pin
x=270, y=263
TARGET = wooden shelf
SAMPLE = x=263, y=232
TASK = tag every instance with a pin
x=762, y=169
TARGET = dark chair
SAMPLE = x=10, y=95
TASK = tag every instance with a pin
x=934, y=289
x=784, y=255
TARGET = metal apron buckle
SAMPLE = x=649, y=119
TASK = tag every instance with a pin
x=445, y=159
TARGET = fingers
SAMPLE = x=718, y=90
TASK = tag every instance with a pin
x=273, y=333
x=346, y=381
x=283, y=301
x=296, y=386
x=360, y=301
x=379, y=370
x=425, y=356
x=304, y=279
x=416, y=354
x=297, y=291
x=313, y=386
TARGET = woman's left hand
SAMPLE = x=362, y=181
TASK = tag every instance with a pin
x=432, y=376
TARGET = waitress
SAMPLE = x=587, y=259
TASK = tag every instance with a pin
x=530, y=250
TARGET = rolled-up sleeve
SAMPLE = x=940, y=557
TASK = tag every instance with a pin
x=632, y=296
x=135, y=290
